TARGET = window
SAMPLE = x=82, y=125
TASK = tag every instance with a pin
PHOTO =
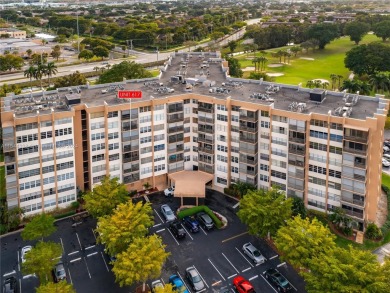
x=30, y=173
x=222, y=158
x=159, y=147
x=98, y=147
x=221, y=107
x=64, y=143
x=112, y=135
x=221, y=180
x=318, y=134
x=336, y=126
x=317, y=181
x=264, y=167
x=145, y=139
x=222, y=168
x=264, y=178
x=159, y=107
x=159, y=137
x=234, y=118
x=187, y=101
x=113, y=146
x=334, y=185
x=318, y=146
x=335, y=150
x=264, y=113
x=145, y=119
x=333, y=173
x=160, y=157
x=278, y=163
x=97, y=115
x=335, y=137
x=98, y=158
x=279, y=118
x=159, y=117
x=278, y=174
x=99, y=168
x=63, y=121
x=145, y=129
x=234, y=159
x=317, y=158
x=264, y=124
x=27, y=126
x=317, y=169
x=145, y=109
x=113, y=157
x=46, y=123
x=96, y=136
x=221, y=117
x=112, y=125
x=65, y=165
x=222, y=148
x=234, y=169
x=112, y=114
x=159, y=168
x=65, y=131
x=319, y=123
x=26, y=138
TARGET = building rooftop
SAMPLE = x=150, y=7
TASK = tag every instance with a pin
x=202, y=74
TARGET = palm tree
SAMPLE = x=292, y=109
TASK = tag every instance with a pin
x=30, y=73
x=317, y=83
x=333, y=78
x=51, y=69
x=339, y=78
x=264, y=61
x=96, y=68
x=254, y=61
x=380, y=81
x=29, y=52
x=325, y=85
x=108, y=66
x=41, y=71
x=310, y=84
x=351, y=86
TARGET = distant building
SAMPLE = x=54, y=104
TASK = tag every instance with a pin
x=13, y=33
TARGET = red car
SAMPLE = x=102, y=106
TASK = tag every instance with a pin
x=242, y=285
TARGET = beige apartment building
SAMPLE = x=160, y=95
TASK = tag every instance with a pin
x=322, y=146
x=13, y=33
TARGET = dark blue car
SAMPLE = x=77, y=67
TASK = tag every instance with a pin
x=191, y=224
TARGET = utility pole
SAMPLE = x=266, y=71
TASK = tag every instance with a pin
x=78, y=33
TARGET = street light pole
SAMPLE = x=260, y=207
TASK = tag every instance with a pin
x=78, y=33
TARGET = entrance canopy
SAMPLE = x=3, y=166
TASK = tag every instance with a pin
x=190, y=183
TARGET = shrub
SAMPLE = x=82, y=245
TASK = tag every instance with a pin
x=198, y=209
x=75, y=205
x=373, y=232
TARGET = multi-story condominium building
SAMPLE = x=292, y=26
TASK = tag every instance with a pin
x=324, y=147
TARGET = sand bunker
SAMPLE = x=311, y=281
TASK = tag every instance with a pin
x=275, y=74
x=275, y=65
x=322, y=80
x=306, y=58
x=250, y=68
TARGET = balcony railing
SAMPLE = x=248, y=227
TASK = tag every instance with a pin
x=297, y=151
x=205, y=150
x=175, y=138
x=356, y=138
x=248, y=118
x=205, y=160
x=175, y=118
x=248, y=161
x=248, y=139
x=175, y=150
x=353, y=189
x=206, y=168
x=354, y=151
x=297, y=140
x=297, y=174
x=248, y=151
x=354, y=176
x=206, y=140
x=296, y=163
x=248, y=129
x=175, y=129
x=130, y=179
x=359, y=203
x=353, y=214
x=206, y=130
x=296, y=186
x=248, y=172
x=296, y=128
x=206, y=120
x=205, y=109
x=130, y=159
x=131, y=170
x=178, y=108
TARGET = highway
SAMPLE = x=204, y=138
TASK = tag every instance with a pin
x=140, y=57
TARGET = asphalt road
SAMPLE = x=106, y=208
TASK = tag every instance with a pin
x=216, y=254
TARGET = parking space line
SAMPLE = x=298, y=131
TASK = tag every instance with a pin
x=70, y=276
x=93, y=253
x=232, y=276
x=201, y=277
x=254, y=277
x=236, y=205
x=216, y=269
x=269, y=284
x=231, y=238
x=10, y=273
x=163, y=282
x=158, y=215
x=76, y=259
x=62, y=244
x=272, y=257
x=187, y=232
x=173, y=236
x=104, y=261
x=244, y=257
x=216, y=283
x=281, y=264
x=20, y=285
x=233, y=290
x=28, y=276
x=79, y=241
x=188, y=288
x=247, y=269
x=73, y=252
x=85, y=261
x=203, y=230
x=230, y=263
x=89, y=247
x=154, y=226
x=158, y=231
x=93, y=232
x=18, y=261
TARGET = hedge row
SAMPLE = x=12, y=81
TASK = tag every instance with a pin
x=198, y=209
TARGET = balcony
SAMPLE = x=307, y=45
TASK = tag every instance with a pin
x=206, y=168
x=133, y=169
x=265, y=136
x=9, y=158
x=175, y=129
x=130, y=148
x=205, y=150
x=175, y=108
x=245, y=160
x=296, y=163
x=204, y=159
x=299, y=187
x=176, y=138
x=208, y=108
x=353, y=213
x=353, y=176
x=298, y=151
x=175, y=158
x=297, y=140
x=131, y=178
x=175, y=169
x=205, y=129
x=206, y=120
x=250, y=139
x=296, y=128
x=249, y=151
x=251, y=118
x=175, y=118
x=356, y=202
x=353, y=189
x=243, y=127
x=130, y=159
x=297, y=174
x=206, y=140
x=178, y=148
x=248, y=172
x=355, y=151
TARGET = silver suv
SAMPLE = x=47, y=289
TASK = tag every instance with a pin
x=253, y=253
x=59, y=272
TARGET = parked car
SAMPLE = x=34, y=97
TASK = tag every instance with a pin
x=157, y=284
x=169, y=191
x=59, y=272
x=386, y=149
x=167, y=212
x=205, y=221
x=253, y=253
x=387, y=143
x=177, y=229
x=194, y=279
x=385, y=163
x=277, y=279
x=386, y=156
x=191, y=224
x=10, y=285
x=242, y=285
x=25, y=250
x=177, y=284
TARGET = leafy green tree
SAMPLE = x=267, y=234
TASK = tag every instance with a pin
x=56, y=53
x=168, y=288
x=356, y=30
x=73, y=79
x=128, y=221
x=104, y=198
x=380, y=81
x=264, y=211
x=333, y=78
x=40, y=227
x=86, y=54
x=345, y=270
x=302, y=239
x=30, y=73
x=29, y=52
x=60, y=287
x=368, y=59
x=298, y=207
x=101, y=51
x=9, y=218
x=234, y=67
x=373, y=232
x=295, y=50
x=382, y=29
x=125, y=69
x=232, y=46
x=41, y=259
x=142, y=260
x=324, y=33
x=216, y=35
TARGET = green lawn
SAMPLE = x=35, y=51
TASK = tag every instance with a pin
x=326, y=62
x=386, y=180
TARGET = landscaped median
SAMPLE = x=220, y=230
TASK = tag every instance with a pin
x=219, y=221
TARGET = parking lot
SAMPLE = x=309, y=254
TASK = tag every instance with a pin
x=216, y=254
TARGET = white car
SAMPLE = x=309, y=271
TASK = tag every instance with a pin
x=157, y=284
x=167, y=213
x=169, y=191
x=253, y=253
x=386, y=156
x=25, y=250
x=386, y=149
x=385, y=163
x=104, y=91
